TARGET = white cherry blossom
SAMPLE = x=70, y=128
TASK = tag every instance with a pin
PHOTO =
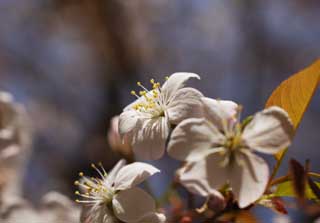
x=146, y=122
x=219, y=150
x=114, y=197
x=14, y=129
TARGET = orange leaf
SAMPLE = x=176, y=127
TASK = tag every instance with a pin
x=295, y=94
x=246, y=217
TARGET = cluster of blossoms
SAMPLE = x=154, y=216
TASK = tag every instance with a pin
x=217, y=149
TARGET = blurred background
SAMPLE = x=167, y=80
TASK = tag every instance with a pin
x=74, y=63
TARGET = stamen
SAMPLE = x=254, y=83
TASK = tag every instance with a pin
x=94, y=167
x=105, y=174
x=140, y=85
x=94, y=190
x=152, y=102
x=134, y=94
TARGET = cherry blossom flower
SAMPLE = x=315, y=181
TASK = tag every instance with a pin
x=115, y=197
x=219, y=150
x=146, y=122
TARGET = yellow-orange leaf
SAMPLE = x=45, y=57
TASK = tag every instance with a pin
x=246, y=217
x=295, y=94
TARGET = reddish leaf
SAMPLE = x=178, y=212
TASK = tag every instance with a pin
x=299, y=178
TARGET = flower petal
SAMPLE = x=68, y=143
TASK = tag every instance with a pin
x=115, y=170
x=185, y=103
x=220, y=112
x=249, y=179
x=132, y=204
x=97, y=213
x=150, y=140
x=128, y=120
x=133, y=174
x=269, y=131
x=152, y=217
x=204, y=177
x=194, y=139
x=175, y=82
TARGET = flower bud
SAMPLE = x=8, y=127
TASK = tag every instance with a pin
x=116, y=143
x=217, y=203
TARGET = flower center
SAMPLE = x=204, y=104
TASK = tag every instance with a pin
x=95, y=190
x=150, y=101
x=233, y=142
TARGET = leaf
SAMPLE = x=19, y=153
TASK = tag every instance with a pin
x=299, y=178
x=274, y=203
x=242, y=216
x=285, y=189
x=314, y=187
x=246, y=217
x=295, y=94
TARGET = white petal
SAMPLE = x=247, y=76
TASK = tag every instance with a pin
x=131, y=205
x=150, y=140
x=113, y=173
x=152, y=217
x=175, y=82
x=97, y=213
x=249, y=180
x=185, y=103
x=220, y=112
x=133, y=174
x=269, y=131
x=204, y=177
x=194, y=139
x=128, y=120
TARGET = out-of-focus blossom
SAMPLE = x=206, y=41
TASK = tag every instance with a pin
x=115, y=197
x=53, y=208
x=114, y=139
x=281, y=219
x=146, y=122
x=15, y=138
x=14, y=131
x=220, y=150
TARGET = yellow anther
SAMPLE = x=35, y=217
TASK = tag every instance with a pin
x=87, y=194
x=77, y=193
x=152, y=81
x=76, y=183
x=133, y=93
x=142, y=93
x=78, y=201
x=166, y=77
x=92, y=165
x=139, y=83
x=81, y=174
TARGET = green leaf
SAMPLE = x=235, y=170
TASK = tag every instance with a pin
x=286, y=189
